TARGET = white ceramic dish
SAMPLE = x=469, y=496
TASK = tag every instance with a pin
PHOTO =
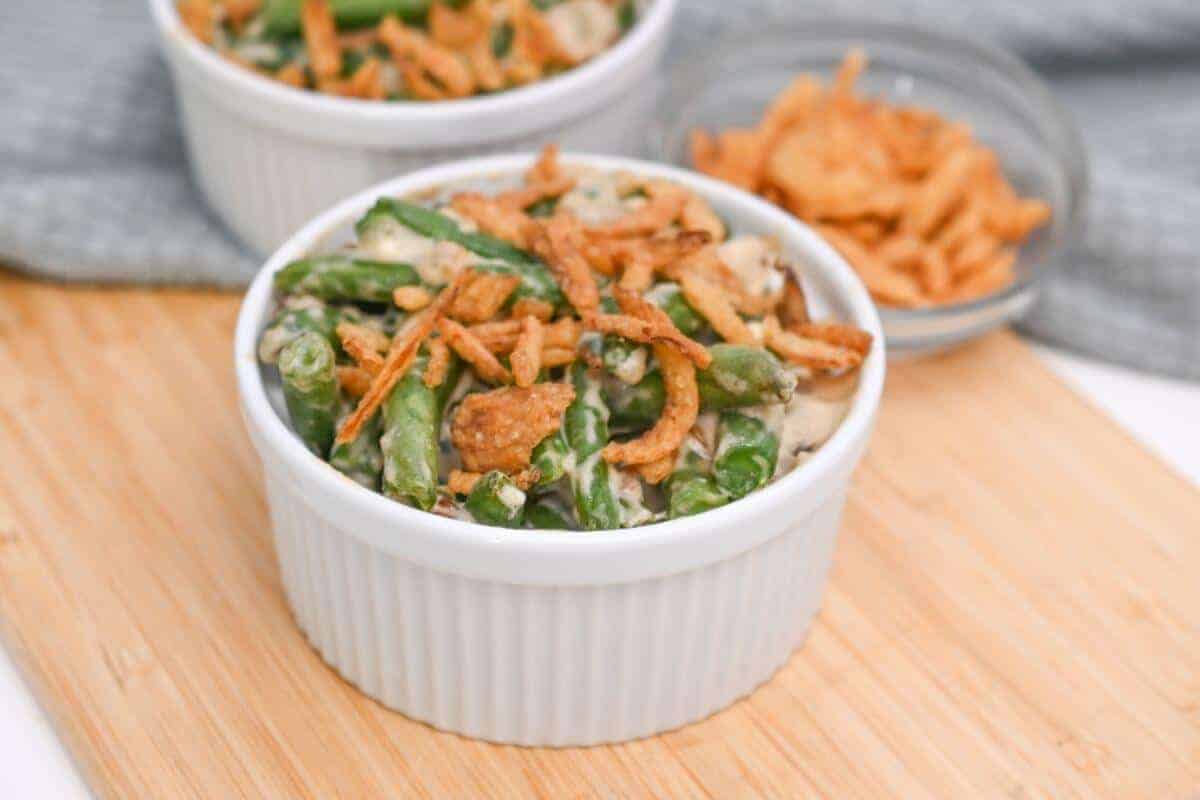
x=268, y=157
x=556, y=638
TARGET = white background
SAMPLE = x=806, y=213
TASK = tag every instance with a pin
x=1164, y=415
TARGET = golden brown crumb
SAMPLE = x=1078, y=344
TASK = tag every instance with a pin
x=500, y=428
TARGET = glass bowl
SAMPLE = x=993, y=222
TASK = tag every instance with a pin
x=1007, y=106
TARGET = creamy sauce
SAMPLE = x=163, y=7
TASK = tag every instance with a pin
x=436, y=262
x=755, y=261
x=583, y=28
x=807, y=423
x=633, y=368
x=596, y=198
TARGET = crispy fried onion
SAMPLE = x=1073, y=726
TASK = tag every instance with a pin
x=533, y=307
x=657, y=213
x=320, y=38
x=483, y=296
x=411, y=298
x=399, y=358
x=793, y=308
x=526, y=358
x=714, y=305
x=462, y=482
x=660, y=326
x=501, y=336
x=355, y=381
x=706, y=262
x=678, y=416
x=500, y=428
x=439, y=363
x=657, y=471
x=559, y=242
x=364, y=345
x=837, y=334
x=431, y=71
x=473, y=351
x=812, y=353
x=661, y=251
x=494, y=216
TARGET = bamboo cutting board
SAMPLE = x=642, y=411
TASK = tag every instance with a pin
x=1014, y=610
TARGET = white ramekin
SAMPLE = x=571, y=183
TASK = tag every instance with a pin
x=556, y=639
x=268, y=157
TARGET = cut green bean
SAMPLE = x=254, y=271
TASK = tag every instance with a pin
x=586, y=423
x=310, y=389
x=670, y=299
x=410, y=440
x=434, y=225
x=289, y=323
x=551, y=458
x=502, y=39
x=691, y=489
x=361, y=460
x=283, y=16
x=497, y=500
x=738, y=377
x=626, y=15
x=746, y=454
x=545, y=515
x=340, y=277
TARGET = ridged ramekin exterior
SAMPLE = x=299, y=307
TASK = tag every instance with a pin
x=266, y=173
x=551, y=666
x=264, y=183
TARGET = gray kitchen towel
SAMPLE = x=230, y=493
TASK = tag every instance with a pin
x=94, y=186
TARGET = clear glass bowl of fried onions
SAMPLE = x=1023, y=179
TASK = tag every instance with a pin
x=942, y=170
x=588, y=349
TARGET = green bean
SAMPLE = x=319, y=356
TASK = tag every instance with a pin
x=310, y=389
x=497, y=500
x=289, y=323
x=545, y=515
x=551, y=458
x=283, y=16
x=626, y=15
x=738, y=377
x=361, y=460
x=586, y=423
x=434, y=225
x=741, y=376
x=637, y=405
x=692, y=489
x=543, y=208
x=746, y=454
x=410, y=440
x=670, y=299
x=340, y=277
x=502, y=40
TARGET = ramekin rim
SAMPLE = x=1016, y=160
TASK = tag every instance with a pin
x=843, y=283
x=596, y=71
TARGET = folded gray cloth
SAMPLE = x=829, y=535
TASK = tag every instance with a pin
x=94, y=184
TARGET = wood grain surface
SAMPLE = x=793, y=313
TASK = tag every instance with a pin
x=1014, y=611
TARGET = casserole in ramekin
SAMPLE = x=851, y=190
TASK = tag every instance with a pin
x=556, y=638
x=269, y=157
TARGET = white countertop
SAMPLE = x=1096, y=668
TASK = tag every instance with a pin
x=1162, y=414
